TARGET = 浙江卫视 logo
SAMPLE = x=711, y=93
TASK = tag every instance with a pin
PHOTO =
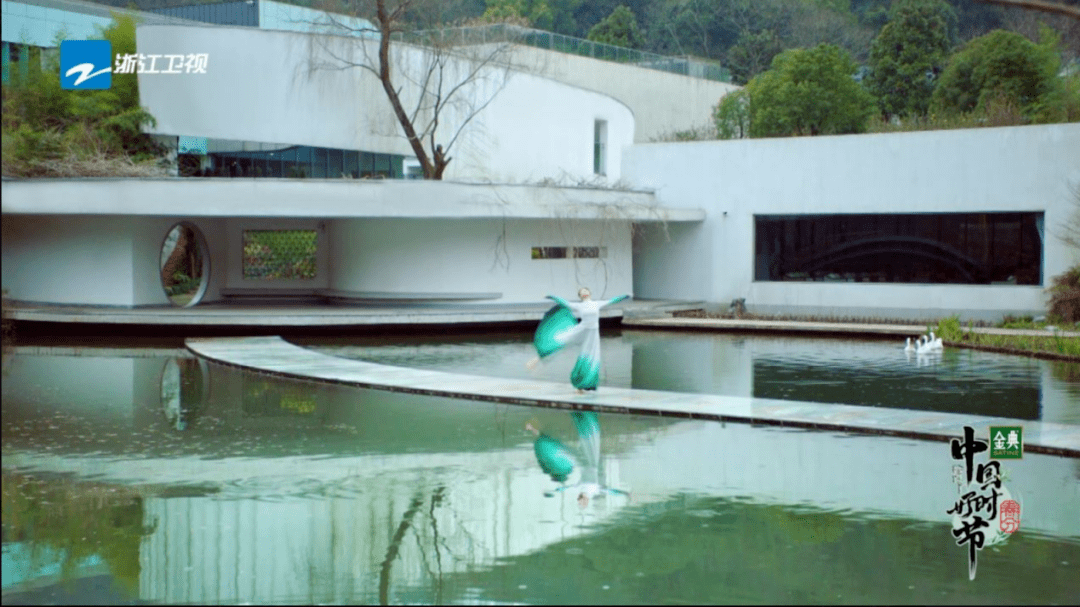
x=86, y=64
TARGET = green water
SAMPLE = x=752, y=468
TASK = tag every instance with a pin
x=135, y=475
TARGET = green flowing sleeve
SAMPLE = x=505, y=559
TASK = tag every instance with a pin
x=554, y=459
x=558, y=319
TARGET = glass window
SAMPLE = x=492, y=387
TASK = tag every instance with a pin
x=590, y=252
x=600, y=147
x=549, y=252
x=319, y=162
x=301, y=161
x=305, y=161
x=334, y=163
x=381, y=165
x=957, y=248
x=351, y=162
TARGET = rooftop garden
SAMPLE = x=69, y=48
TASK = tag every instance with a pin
x=49, y=131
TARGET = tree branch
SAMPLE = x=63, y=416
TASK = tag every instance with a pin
x=1040, y=5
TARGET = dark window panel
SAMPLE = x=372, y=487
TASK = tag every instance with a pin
x=961, y=248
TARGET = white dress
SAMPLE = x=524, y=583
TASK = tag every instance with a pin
x=560, y=328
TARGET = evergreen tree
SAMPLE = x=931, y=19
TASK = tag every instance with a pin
x=619, y=29
x=908, y=55
x=809, y=92
x=1004, y=67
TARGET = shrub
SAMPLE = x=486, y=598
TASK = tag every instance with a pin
x=1065, y=295
x=1004, y=65
x=49, y=131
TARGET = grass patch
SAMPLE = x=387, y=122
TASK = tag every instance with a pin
x=950, y=330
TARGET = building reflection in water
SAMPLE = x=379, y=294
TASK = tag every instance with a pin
x=280, y=490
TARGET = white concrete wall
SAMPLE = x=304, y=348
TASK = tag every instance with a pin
x=97, y=260
x=662, y=102
x=973, y=170
x=674, y=261
x=260, y=86
x=68, y=259
x=101, y=241
x=477, y=256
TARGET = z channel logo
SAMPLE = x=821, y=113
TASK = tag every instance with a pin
x=80, y=61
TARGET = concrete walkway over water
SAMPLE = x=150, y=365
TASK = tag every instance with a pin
x=275, y=356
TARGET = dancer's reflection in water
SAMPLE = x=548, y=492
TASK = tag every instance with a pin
x=557, y=461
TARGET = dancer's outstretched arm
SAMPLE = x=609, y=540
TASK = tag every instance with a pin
x=614, y=300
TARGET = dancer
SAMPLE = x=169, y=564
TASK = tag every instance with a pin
x=560, y=327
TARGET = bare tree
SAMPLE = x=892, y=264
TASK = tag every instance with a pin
x=1040, y=5
x=1070, y=230
x=437, y=80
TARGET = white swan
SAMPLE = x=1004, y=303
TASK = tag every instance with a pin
x=928, y=343
x=908, y=347
x=924, y=346
x=935, y=343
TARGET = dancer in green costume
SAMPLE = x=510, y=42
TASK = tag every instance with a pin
x=560, y=328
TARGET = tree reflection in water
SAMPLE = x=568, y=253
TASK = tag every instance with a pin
x=72, y=524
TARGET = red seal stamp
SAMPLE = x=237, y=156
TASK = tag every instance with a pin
x=1010, y=516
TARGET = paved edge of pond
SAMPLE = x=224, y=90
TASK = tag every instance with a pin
x=786, y=326
x=275, y=356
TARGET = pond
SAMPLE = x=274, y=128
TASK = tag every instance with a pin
x=141, y=474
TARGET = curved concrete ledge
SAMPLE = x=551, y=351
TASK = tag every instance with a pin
x=275, y=356
x=398, y=313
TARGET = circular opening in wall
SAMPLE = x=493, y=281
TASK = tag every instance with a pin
x=185, y=265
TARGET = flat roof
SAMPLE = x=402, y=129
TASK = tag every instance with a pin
x=330, y=198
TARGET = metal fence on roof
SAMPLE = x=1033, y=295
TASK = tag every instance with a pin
x=240, y=12
x=485, y=34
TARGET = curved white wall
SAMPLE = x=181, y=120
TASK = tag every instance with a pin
x=477, y=256
x=391, y=236
x=96, y=260
x=1028, y=168
x=662, y=102
x=47, y=259
x=260, y=86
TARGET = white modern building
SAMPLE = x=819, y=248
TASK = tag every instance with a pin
x=922, y=224
x=293, y=179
